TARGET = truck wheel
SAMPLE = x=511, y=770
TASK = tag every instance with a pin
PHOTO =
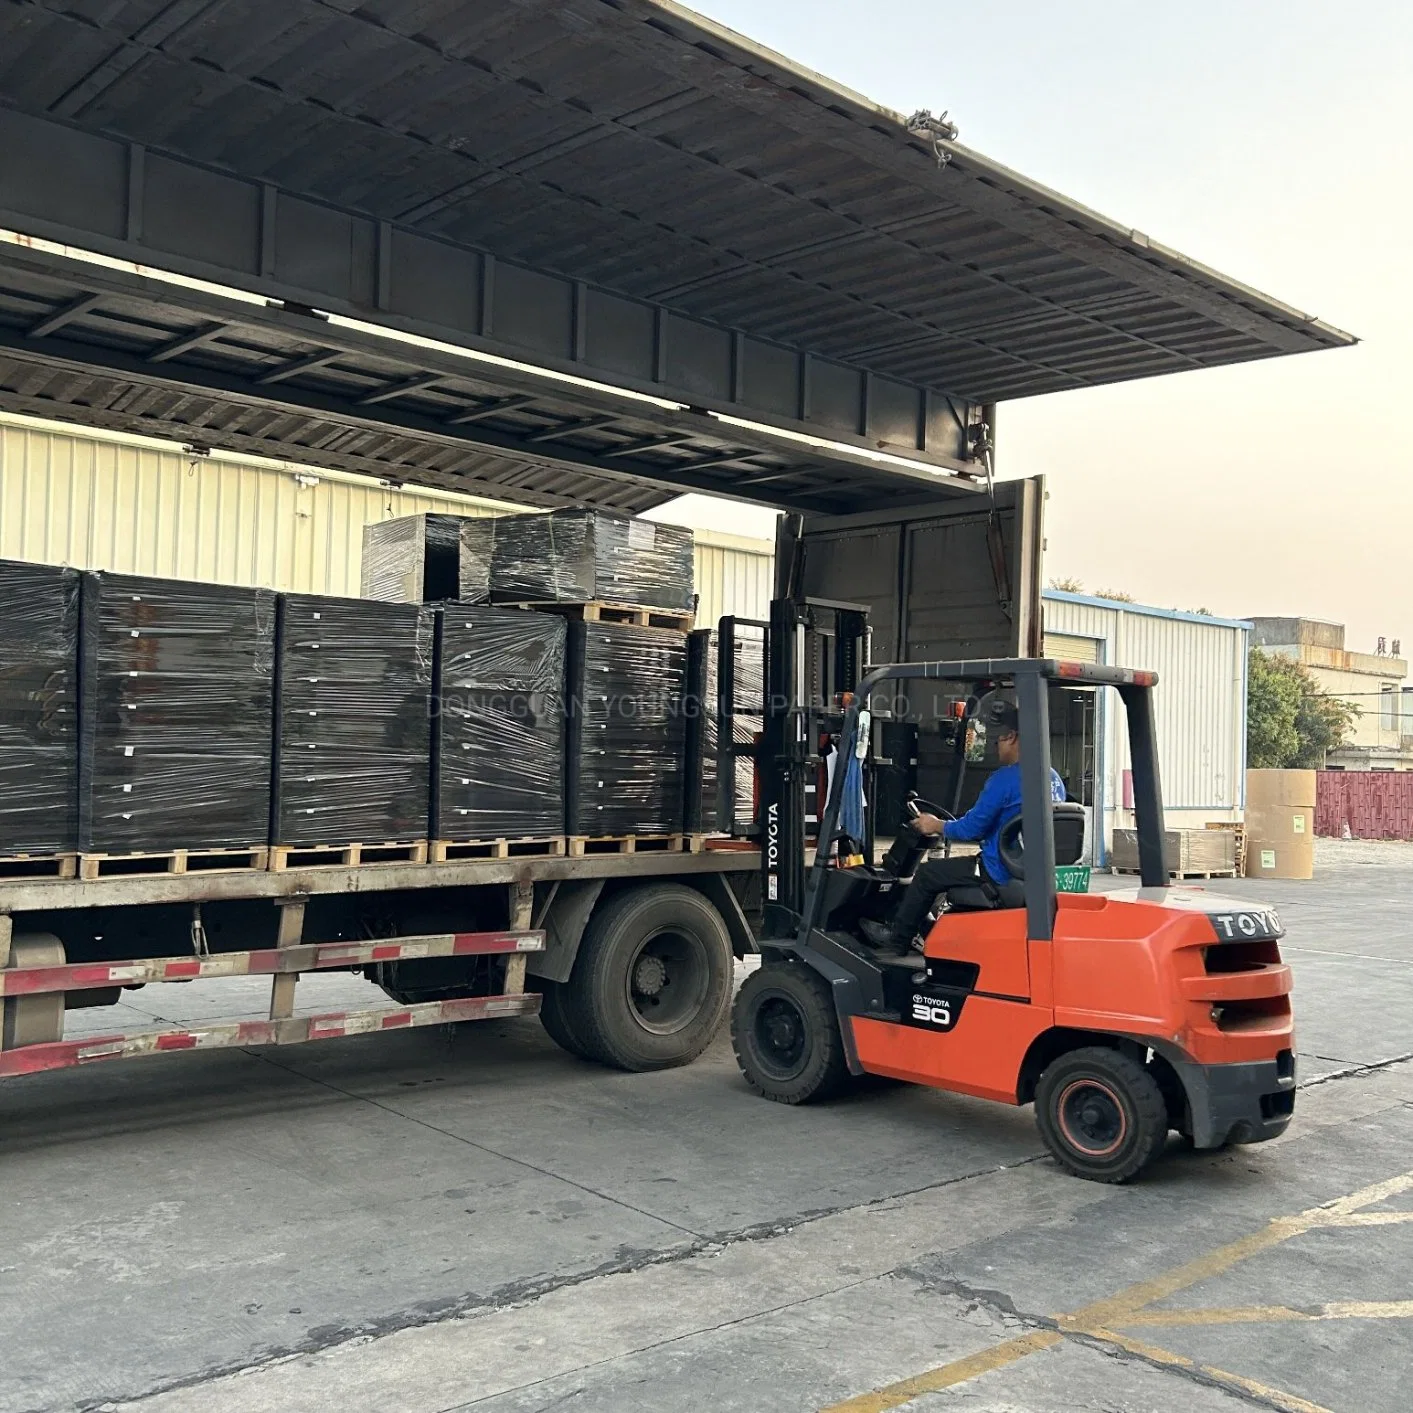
x=557, y=1017
x=652, y=979
x=786, y=1035
x=1101, y=1114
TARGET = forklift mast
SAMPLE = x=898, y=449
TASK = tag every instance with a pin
x=816, y=652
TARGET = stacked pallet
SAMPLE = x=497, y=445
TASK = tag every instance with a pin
x=176, y=724
x=38, y=720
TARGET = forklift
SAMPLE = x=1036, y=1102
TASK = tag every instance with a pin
x=1120, y=1015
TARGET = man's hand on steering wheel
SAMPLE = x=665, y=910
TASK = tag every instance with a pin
x=925, y=817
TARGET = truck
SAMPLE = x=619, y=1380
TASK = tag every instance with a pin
x=476, y=270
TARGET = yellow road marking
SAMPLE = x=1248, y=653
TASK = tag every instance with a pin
x=1272, y=1314
x=1129, y=1307
x=957, y=1372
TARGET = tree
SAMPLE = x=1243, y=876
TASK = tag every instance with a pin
x=1290, y=723
x=1116, y=595
x=1069, y=584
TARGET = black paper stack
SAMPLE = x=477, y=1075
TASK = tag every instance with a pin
x=712, y=808
x=353, y=732
x=568, y=556
x=627, y=730
x=38, y=709
x=176, y=720
x=500, y=725
x=415, y=559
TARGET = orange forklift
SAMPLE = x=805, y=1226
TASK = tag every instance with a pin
x=1121, y=1015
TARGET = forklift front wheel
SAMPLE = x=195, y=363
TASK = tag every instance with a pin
x=1101, y=1114
x=786, y=1034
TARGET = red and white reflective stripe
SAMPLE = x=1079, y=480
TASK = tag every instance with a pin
x=86, y=976
x=66, y=1054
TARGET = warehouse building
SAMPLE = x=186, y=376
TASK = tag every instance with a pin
x=1200, y=704
x=139, y=506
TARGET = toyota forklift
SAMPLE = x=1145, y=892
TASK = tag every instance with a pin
x=1120, y=1015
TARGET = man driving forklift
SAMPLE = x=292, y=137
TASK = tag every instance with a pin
x=998, y=804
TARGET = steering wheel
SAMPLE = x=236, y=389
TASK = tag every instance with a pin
x=1011, y=847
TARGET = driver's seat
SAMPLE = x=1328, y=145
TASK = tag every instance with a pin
x=1068, y=826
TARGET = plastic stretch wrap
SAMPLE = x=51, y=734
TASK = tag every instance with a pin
x=38, y=709
x=353, y=733
x=709, y=811
x=500, y=724
x=176, y=719
x=414, y=559
x=565, y=556
x=625, y=763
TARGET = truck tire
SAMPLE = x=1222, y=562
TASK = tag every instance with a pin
x=652, y=979
x=785, y=1032
x=1101, y=1113
x=557, y=1017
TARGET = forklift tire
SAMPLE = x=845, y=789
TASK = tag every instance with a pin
x=1101, y=1113
x=652, y=979
x=785, y=1032
x=558, y=1020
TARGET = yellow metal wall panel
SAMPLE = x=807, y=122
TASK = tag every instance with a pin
x=1069, y=648
x=137, y=506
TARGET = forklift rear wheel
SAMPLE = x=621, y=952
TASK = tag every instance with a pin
x=786, y=1035
x=652, y=979
x=1101, y=1114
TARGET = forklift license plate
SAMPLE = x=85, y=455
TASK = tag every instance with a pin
x=1072, y=878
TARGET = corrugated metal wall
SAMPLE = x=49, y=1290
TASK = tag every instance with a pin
x=1200, y=704
x=136, y=506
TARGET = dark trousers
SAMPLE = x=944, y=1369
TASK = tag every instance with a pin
x=929, y=880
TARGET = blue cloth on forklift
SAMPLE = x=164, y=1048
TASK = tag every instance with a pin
x=851, y=805
x=997, y=805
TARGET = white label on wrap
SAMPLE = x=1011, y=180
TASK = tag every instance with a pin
x=642, y=534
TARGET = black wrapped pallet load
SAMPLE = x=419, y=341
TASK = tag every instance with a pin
x=708, y=809
x=499, y=725
x=578, y=556
x=625, y=757
x=417, y=558
x=176, y=715
x=353, y=722
x=39, y=709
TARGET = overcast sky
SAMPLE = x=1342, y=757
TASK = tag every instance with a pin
x=1270, y=140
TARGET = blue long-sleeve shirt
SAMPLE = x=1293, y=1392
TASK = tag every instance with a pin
x=998, y=804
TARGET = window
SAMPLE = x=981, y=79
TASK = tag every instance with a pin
x=1388, y=708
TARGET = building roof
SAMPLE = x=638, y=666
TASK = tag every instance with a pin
x=644, y=149
x=1145, y=610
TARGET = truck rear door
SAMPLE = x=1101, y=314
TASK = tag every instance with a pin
x=959, y=577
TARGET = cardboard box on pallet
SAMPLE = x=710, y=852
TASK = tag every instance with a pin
x=1280, y=823
x=626, y=747
x=176, y=715
x=577, y=556
x=720, y=798
x=499, y=725
x=39, y=709
x=417, y=559
x=352, y=721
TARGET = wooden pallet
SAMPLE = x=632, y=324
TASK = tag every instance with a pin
x=581, y=845
x=635, y=615
x=454, y=850
x=91, y=866
x=28, y=866
x=284, y=857
x=1180, y=877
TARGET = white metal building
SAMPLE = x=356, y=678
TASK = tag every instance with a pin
x=1200, y=703
x=138, y=506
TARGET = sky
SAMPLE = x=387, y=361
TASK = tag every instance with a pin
x=1272, y=141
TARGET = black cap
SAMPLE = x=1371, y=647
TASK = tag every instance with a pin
x=1000, y=715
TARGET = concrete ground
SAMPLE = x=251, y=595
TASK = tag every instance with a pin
x=443, y=1220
